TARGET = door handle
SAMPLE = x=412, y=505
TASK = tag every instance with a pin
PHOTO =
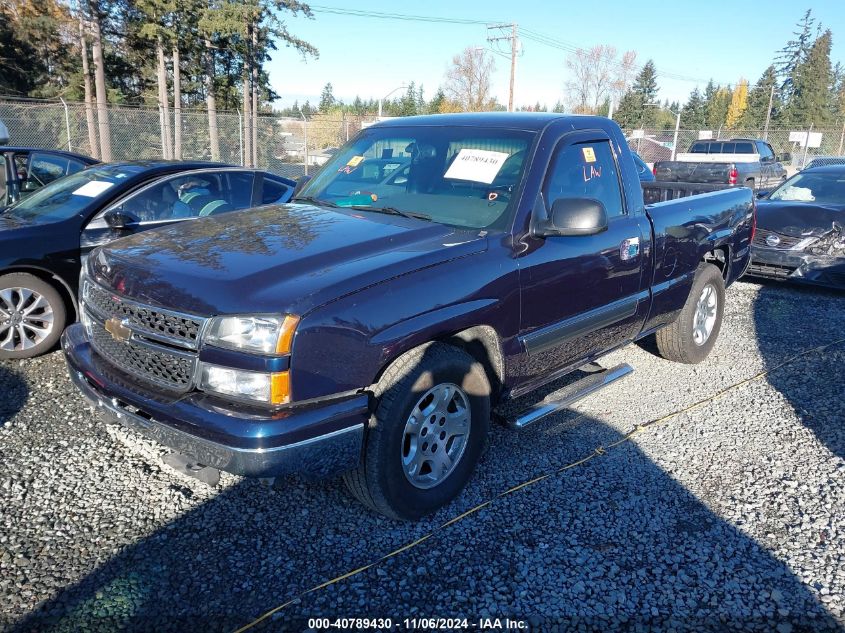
x=629, y=249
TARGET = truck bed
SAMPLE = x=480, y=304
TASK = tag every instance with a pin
x=661, y=191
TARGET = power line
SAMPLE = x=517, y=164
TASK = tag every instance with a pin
x=395, y=16
x=528, y=34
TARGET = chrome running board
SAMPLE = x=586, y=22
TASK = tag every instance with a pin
x=570, y=394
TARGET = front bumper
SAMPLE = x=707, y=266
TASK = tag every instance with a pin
x=318, y=440
x=797, y=266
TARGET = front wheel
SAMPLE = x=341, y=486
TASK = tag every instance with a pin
x=32, y=316
x=693, y=334
x=426, y=434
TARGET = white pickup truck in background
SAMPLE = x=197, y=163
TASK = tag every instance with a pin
x=739, y=161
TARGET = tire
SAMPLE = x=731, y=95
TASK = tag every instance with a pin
x=679, y=341
x=32, y=316
x=383, y=482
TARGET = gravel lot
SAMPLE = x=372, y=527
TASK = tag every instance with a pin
x=729, y=516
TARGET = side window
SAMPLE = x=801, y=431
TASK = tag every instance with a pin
x=274, y=191
x=189, y=196
x=75, y=166
x=766, y=152
x=585, y=170
x=20, y=165
x=237, y=191
x=44, y=168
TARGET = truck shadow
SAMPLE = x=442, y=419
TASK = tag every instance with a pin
x=13, y=392
x=616, y=541
x=814, y=384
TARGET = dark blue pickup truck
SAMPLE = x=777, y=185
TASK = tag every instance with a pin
x=434, y=268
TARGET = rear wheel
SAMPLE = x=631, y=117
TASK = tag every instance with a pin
x=693, y=334
x=427, y=433
x=32, y=316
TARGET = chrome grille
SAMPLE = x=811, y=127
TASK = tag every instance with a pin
x=171, y=370
x=172, y=327
x=785, y=241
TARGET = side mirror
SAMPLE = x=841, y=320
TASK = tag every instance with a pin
x=300, y=183
x=119, y=219
x=763, y=193
x=784, y=158
x=575, y=216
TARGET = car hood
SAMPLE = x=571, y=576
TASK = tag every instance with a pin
x=798, y=219
x=285, y=258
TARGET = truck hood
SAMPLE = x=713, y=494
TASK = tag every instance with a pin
x=284, y=258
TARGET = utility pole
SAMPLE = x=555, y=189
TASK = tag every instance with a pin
x=769, y=114
x=513, y=38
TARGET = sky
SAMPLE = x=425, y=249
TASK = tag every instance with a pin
x=370, y=57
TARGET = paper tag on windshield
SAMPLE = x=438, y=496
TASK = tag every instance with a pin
x=92, y=189
x=478, y=165
x=355, y=161
x=589, y=154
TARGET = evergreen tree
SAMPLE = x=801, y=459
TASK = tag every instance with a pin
x=811, y=97
x=633, y=112
x=754, y=116
x=717, y=99
x=420, y=105
x=19, y=58
x=327, y=98
x=407, y=105
x=793, y=54
x=435, y=106
x=694, y=113
x=838, y=90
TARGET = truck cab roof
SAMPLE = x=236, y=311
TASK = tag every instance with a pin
x=530, y=121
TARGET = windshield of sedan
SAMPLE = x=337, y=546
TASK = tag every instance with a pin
x=65, y=197
x=818, y=187
x=460, y=176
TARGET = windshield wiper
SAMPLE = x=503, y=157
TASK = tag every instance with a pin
x=393, y=211
x=318, y=201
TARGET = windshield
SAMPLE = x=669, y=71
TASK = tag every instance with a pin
x=63, y=198
x=460, y=176
x=819, y=187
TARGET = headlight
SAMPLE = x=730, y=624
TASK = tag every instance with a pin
x=265, y=334
x=267, y=388
x=86, y=320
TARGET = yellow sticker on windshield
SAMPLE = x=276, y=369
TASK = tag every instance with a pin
x=355, y=161
x=589, y=154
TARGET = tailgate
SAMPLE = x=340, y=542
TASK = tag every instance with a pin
x=679, y=171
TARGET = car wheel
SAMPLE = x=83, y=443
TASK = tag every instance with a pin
x=693, y=334
x=32, y=316
x=426, y=435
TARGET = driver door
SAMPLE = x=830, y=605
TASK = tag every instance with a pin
x=581, y=294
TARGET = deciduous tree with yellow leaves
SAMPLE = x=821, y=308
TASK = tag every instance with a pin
x=739, y=102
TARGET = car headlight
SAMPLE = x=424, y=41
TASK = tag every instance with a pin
x=259, y=333
x=267, y=388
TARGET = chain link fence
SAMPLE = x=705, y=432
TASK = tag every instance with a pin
x=291, y=146
x=286, y=146
x=803, y=145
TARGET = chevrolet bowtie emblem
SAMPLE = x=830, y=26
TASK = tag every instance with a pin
x=118, y=329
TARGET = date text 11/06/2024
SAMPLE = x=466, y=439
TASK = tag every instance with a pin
x=419, y=624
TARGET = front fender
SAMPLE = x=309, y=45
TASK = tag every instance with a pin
x=346, y=344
